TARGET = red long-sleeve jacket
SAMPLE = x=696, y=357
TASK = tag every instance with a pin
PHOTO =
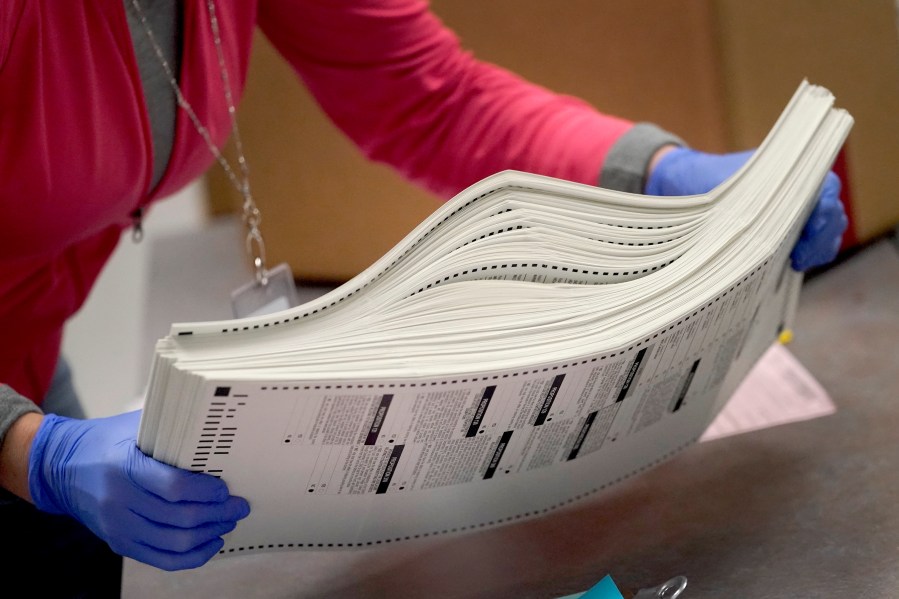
x=76, y=151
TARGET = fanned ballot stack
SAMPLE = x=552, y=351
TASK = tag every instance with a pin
x=531, y=343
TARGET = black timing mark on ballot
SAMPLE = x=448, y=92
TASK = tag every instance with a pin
x=549, y=399
x=378, y=421
x=685, y=387
x=498, y=454
x=582, y=435
x=630, y=381
x=387, y=475
x=481, y=410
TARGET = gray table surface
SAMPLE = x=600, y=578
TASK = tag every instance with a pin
x=801, y=510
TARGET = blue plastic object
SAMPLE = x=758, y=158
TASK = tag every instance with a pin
x=684, y=171
x=93, y=471
x=604, y=589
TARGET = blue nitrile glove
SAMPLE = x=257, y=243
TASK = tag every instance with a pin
x=93, y=471
x=684, y=171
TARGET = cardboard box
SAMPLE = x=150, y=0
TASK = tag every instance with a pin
x=716, y=72
x=850, y=47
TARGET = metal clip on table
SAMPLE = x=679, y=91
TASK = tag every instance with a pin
x=671, y=589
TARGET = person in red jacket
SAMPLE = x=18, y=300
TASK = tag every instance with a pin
x=106, y=107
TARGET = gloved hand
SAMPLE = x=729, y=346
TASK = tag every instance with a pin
x=93, y=471
x=683, y=171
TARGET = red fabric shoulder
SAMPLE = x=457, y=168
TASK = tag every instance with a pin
x=397, y=81
x=10, y=13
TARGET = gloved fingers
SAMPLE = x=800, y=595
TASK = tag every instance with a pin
x=129, y=420
x=817, y=252
x=171, y=561
x=185, y=540
x=821, y=237
x=162, y=537
x=721, y=167
x=829, y=208
x=686, y=172
x=190, y=514
x=167, y=546
x=171, y=483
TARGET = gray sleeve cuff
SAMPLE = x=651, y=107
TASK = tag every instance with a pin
x=627, y=162
x=12, y=407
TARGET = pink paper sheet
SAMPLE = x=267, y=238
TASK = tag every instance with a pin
x=779, y=390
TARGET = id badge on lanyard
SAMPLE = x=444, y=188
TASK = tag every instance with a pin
x=256, y=298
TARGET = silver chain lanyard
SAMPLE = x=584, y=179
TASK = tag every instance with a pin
x=251, y=215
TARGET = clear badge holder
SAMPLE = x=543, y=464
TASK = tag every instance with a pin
x=275, y=293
